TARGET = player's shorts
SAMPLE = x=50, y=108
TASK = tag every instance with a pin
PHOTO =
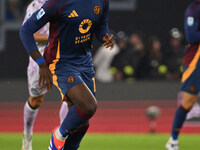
x=33, y=78
x=191, y=78
x=65, y=82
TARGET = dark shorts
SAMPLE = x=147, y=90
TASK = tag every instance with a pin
x=65, y=82
x=191, y=77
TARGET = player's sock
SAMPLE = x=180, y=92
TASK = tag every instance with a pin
x=59, y=136
x=29, y=117
x=179, y=119
x=74, y=119
x=73, y=140
x=63, y=111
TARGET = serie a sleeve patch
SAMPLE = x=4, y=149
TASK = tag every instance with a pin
x=190, y=21
x=40, y=14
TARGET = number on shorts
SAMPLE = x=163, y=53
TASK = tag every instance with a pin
x=93, y=79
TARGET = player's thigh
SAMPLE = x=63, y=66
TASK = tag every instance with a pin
x=89, y=80
x=81, y=96
x=74, y=87
x=188, y=100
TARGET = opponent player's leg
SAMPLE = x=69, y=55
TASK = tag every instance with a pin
x=30, y=112
x=84, y=107
x=63, y=111
x=32, y=105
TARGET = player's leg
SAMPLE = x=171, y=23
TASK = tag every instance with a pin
x=73, y=141
x=30, y=112
x=188, y=101
x=63, y=111
x=84, y=107
x=190, y=87
x=32, y=105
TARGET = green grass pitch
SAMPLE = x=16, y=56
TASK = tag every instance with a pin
x=12, y=141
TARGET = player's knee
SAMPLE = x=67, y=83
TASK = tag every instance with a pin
x=91, y=108
x=189, y=101
x=35, y=102
x=188, y=105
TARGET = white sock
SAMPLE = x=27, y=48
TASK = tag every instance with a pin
x=59, y=136
x=29, y=118
x=63, y=111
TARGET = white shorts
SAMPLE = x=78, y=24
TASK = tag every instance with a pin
x=33, y=77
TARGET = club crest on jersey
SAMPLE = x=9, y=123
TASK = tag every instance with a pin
x=40, y=14
x=71, y=79
x=192, y=89
x=97, y=9
x=190, y=21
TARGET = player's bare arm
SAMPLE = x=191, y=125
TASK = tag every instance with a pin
x=41, y=37
x=45, y=74
x=109, y=41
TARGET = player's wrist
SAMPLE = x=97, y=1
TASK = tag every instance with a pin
x=40, y=61
x=43, y=65
x=104, y=37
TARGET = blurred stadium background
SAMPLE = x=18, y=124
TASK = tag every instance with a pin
x=150, y=42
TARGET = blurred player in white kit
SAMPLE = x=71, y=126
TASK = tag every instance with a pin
x=36, y=93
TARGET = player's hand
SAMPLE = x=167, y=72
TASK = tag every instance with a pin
x=45, y=80
x=109, y=41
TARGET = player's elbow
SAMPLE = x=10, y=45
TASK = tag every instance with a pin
x=22, y=33
x=27, y=39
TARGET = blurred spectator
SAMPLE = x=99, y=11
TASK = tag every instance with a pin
x=155, y=68
x=174, y=55
x=128, y=62
x=120, y=61
x=12, y=10
x=136, y=55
